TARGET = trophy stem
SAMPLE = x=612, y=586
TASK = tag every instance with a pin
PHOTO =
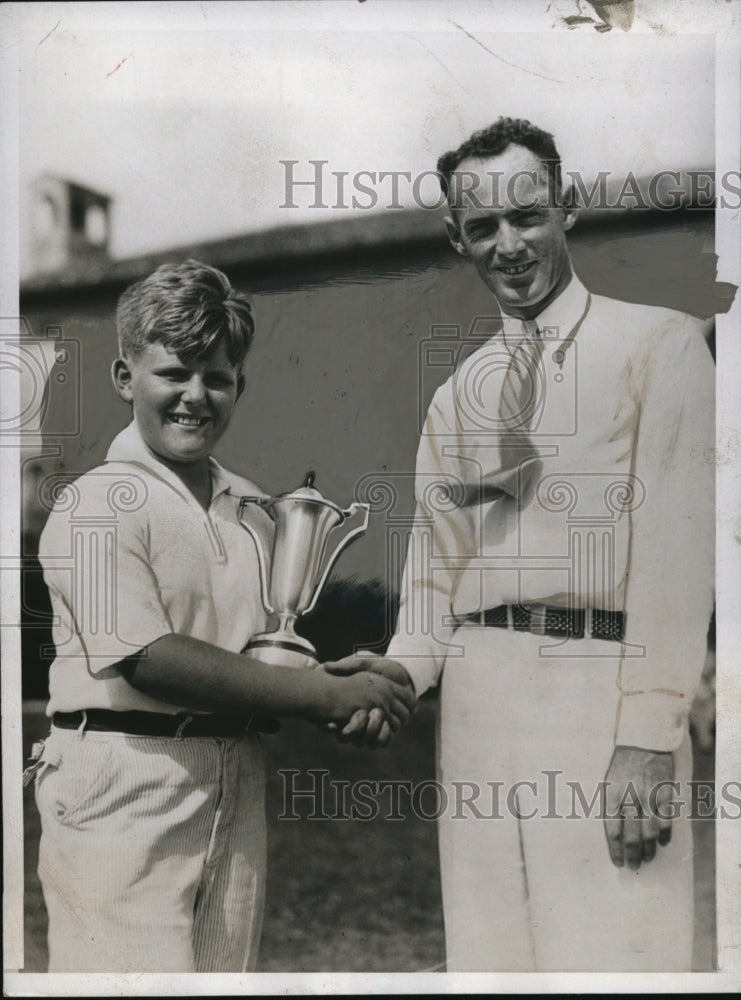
x=283, y=647
x=286, y=622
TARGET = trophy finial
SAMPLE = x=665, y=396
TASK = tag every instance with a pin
x=309, y=480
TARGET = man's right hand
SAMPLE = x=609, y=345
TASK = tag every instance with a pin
x=370, y=694
x=369, y=727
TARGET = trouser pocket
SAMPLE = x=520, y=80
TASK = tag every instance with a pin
x=71, y=776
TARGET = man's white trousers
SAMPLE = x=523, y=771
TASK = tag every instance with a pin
x=526, y=733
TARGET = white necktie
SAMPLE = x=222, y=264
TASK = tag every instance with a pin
x=520, y=402
x=522, y=393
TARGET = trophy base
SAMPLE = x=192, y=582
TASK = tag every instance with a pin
x=280, y=650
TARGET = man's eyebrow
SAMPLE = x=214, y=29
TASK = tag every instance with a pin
x=525, y=208
x=485, y=222
x=474, y=225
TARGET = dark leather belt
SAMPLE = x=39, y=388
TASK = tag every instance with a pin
x=543, y=619
x=158, y=724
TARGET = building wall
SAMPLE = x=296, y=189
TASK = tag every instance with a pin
x=345, y=362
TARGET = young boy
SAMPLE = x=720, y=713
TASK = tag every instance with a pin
x=150, y=785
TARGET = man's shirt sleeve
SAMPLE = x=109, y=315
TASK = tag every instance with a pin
x=669, y=591
x=424, y=628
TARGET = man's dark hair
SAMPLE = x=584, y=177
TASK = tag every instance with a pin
x=191, y=308
x=494, y=139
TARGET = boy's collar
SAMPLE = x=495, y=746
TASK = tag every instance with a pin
x=129, y=446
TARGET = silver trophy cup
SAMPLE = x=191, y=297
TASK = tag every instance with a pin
x=295, y=560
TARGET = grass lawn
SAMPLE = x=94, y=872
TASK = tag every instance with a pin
x=352, y=895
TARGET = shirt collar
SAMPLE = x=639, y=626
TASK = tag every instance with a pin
x=129, y=446
x=556, y=321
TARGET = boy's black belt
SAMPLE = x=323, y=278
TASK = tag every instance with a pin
x=543, y=619
x=159, y=724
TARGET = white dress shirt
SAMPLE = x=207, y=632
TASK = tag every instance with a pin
x=616, y=511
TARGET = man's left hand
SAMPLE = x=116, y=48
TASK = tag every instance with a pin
x=638, y=801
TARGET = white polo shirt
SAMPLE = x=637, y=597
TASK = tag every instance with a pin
x=129, y=555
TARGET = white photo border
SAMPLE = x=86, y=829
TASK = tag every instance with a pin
x=717, y=17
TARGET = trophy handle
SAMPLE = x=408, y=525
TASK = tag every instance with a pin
x=349, y=537
x=263, y=544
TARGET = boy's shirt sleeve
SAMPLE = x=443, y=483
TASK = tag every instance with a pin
x=104, y=594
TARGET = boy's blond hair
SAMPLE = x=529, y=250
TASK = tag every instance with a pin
x=191, y=308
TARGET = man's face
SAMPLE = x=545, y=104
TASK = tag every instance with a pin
x=505, y=221
x=182, y=408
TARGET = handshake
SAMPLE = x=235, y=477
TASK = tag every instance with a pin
x=380, y=697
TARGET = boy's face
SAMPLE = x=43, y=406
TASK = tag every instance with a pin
x=181, y=407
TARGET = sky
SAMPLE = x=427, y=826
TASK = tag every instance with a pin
x=184, y=113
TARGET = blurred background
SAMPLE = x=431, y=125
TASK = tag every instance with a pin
x=176, y=139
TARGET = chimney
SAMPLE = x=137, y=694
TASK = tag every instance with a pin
x=70, y=225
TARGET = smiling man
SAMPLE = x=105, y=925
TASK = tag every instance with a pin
x=507, y=220
x=558, y=587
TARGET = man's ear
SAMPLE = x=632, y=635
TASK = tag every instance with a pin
x=570, y=213
x=121, y=378
x=240, y=384
x=569, y=207
x=455, y=237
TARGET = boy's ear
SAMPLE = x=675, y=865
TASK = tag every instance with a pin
x=240, y=384
x=121, y=378
x=454, y=235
